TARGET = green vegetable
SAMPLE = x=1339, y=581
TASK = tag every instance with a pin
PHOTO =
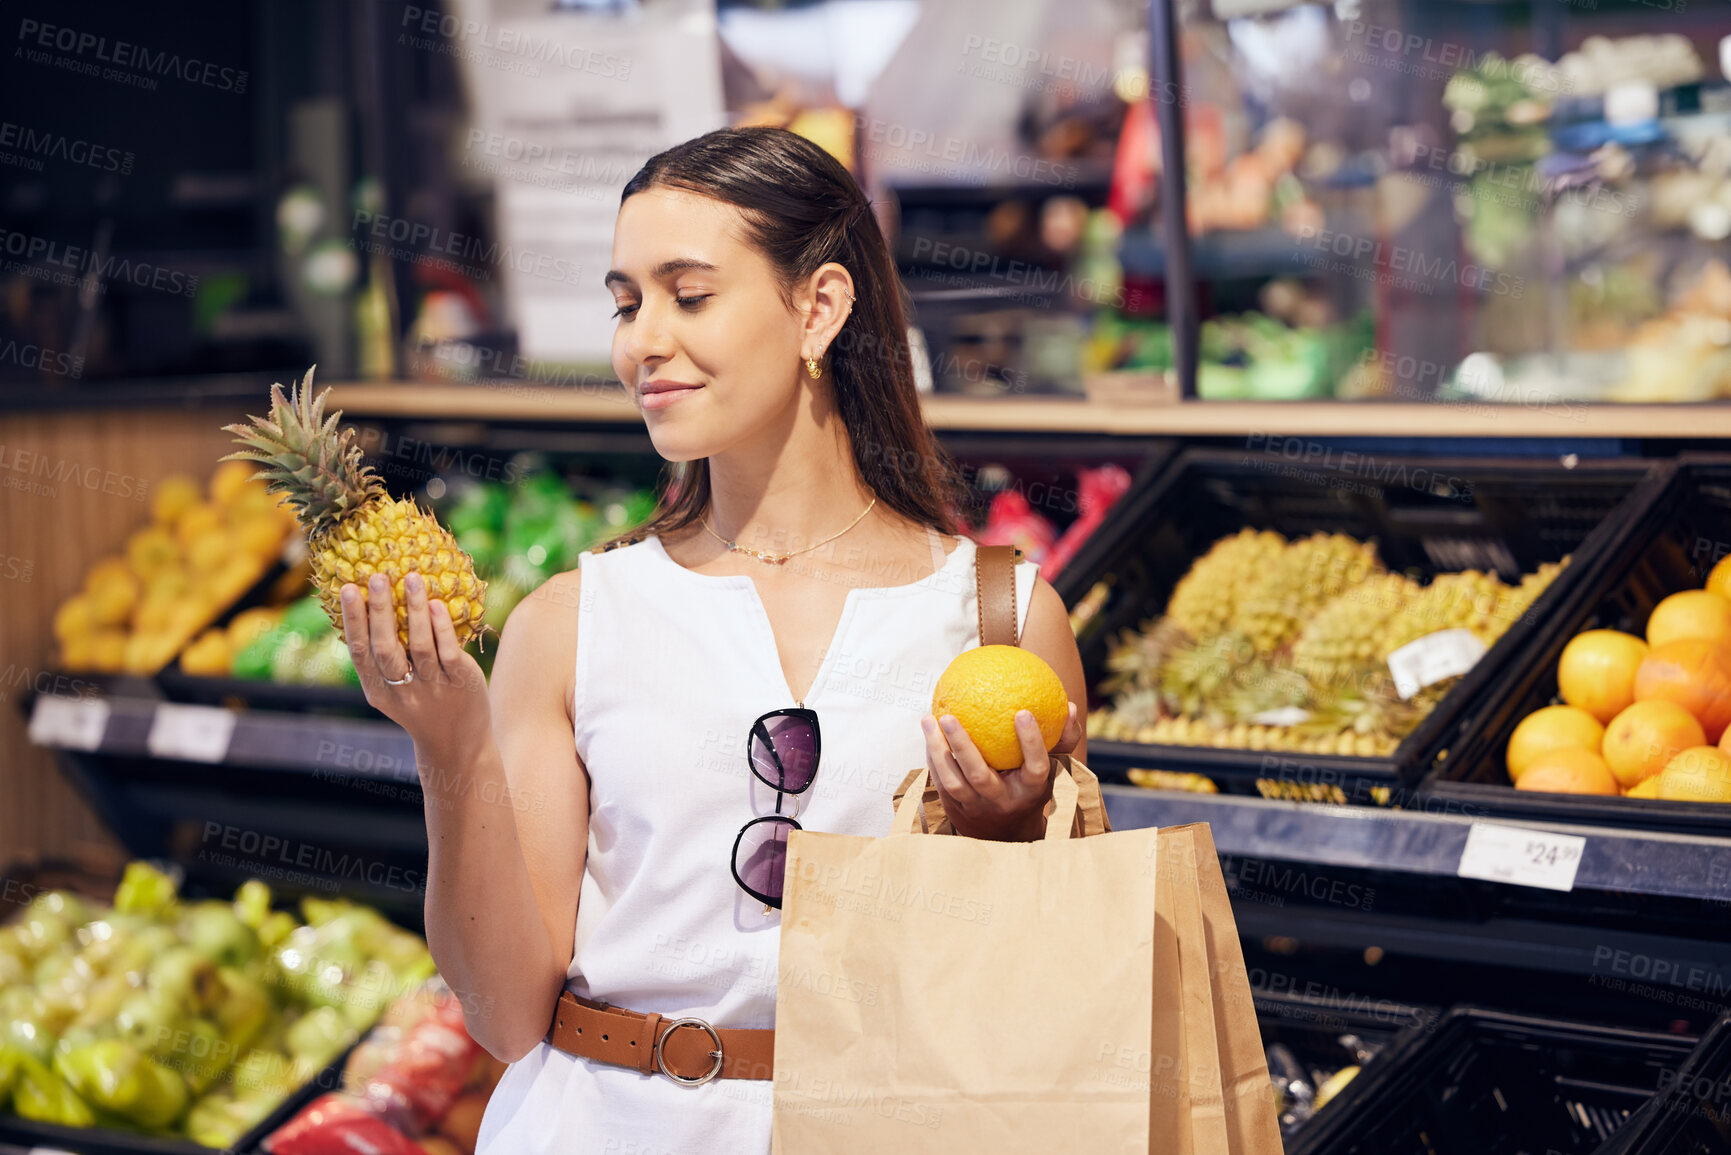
x=214, y=930
x=320, y=1035
x=255, y=660
x=242, y=1009
x=277, y=926
x=1221, y=383
x=307, y=618
x=40, y=1094
x=116, y=1076
x=252, y=902
x=145, y=890
x=220, y=1118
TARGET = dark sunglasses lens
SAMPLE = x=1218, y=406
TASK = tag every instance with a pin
x=795, y=740
x=760, y=858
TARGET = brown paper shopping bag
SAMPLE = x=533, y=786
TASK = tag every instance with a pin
x=1210, y=1087
x=950, y=994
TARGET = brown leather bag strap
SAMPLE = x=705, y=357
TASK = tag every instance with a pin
x=995, y=585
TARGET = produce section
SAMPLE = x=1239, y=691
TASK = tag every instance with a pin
x=1261, y=629
x=194, y=1019
x=202, y=550
x=1338, y=626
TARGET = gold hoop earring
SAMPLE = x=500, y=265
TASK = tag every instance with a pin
x=811, y=368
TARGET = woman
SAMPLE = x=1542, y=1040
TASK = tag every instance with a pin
x=593, y=816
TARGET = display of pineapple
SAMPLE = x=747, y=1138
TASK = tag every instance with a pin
x=1465, y=600
x=1517, y=600
x=1204, y=600
x=1345, y=633
x=354, y=528
x=1269, y=644
x=1305, y=576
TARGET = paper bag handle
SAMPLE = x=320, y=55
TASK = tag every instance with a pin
x=1058, y=824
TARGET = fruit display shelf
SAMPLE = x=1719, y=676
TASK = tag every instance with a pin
x=1671, y=547
x=143, y=976
x=279, y=793
x=1426, y=516
x=1547, y=900
x=1486, y=1081
x=1433, y=842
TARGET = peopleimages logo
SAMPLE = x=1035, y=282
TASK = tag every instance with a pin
x=30, y=145
x=123, y=54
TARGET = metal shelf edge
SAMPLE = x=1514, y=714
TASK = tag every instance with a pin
x=1416, y=842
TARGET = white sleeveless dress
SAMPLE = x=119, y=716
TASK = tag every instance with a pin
x=673, y=666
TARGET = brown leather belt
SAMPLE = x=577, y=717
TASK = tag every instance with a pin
x=687, y=1050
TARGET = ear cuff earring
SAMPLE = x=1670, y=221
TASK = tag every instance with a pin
x=811, y=366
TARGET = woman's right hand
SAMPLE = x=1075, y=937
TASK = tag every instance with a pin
x=445, y=708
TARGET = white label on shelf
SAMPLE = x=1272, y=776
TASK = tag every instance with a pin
x=71, y=723
x=1522, y=857
x=1432, y=658
x=191, y=733
x=1281, y=716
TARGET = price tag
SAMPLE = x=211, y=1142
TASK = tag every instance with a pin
x=1523, y=857
x=70, y=723
x=191, y=733
x=1432, y=658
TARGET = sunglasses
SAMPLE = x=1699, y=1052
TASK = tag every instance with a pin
x=782, y=749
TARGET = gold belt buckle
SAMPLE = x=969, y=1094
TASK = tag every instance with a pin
x=661, y=1062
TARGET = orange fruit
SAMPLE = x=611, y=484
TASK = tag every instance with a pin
x=1597, y=671
x=1695, y=674
x=1646, y=788
x=1690, y=614
x=985, y=686
x=1699, y=774
x=1719, y=581
x=1552, y=728
x=1640, y=740
x=1569, y=771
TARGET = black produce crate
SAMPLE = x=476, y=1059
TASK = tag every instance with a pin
x=1691, y=1115
x=1671, y=546
x=1427, y=516
x=257, y=694
x=23, y=882
x=1483, y=1082
x=1324, y=1035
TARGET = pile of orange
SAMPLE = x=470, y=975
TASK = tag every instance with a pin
x=1642, y=718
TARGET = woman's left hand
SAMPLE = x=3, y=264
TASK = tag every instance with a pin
x=1003, y=805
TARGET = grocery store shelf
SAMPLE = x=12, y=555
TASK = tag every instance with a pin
x=263, y=740
x=1344, y=837
x=516, y=401
x=1417, y=842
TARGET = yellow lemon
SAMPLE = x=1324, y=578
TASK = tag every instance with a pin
x=1699, y=614
x=985, y=686
x=1552, y=728
x=1719, y=581
x=1597, y=671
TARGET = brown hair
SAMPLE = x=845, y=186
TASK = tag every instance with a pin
x=802, y=210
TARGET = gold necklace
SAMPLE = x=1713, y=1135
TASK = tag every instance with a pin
x=781, y=558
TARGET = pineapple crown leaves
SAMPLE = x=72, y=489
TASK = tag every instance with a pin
x=304, y=455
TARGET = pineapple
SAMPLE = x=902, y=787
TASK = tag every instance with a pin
x=354, y=528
